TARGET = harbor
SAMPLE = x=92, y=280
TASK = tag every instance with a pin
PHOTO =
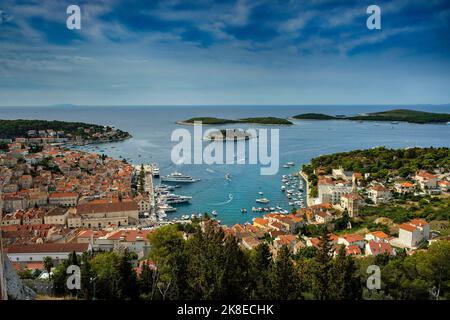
x=170, y=203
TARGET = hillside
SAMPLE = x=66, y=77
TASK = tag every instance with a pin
x=10, y=129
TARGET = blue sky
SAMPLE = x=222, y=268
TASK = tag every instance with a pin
x=224, y=52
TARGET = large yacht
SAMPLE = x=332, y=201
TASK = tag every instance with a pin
x=178, y=177
x=176, y=199
x=155, y=170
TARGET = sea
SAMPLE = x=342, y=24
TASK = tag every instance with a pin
x=152, y=128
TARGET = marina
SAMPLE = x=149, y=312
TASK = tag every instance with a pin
x=298, y=143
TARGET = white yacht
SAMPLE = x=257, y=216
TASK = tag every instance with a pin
x=155, y=170
x=262, y=200
x=178, y=177
x=176, y=199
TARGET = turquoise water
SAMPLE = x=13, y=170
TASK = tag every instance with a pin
x=152, y=127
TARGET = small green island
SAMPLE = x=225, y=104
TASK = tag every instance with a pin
x=404, y=115
x=219, y=121
x=77, y=133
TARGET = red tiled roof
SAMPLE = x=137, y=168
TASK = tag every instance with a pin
x=407, y=227
x=86, y=208
x=380, y=247
x=418, y=222
x=353, y=250
x=350, y=238
x=63, y=195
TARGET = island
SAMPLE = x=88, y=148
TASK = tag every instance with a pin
x=404, y=115
x=75, y=133
x=219, y=121
x=228, y=135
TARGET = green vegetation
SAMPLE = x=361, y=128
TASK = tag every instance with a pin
x=266, y=120
x=428, y=208
x=391, y=115
x=219, y=121
x=383, y=163
x=314, y=116
x=208, y=120
x=10, y=129
x=210, y=266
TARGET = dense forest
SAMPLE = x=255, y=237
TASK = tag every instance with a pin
x=219, y=121
x=406, y=115
x=210, y=266
x=10, y=129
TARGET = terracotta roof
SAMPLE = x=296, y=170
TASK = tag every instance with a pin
x=407, y=227
x=407, y=184
x=129, y=235
x=350, y=238
x=86, y=208
x=426, y=175
x=379, y=187
x=379, y=234
x=353, y=250
x=48, y=247
x=418, y=222
x=63, y=195
x=260, y=221
x=380, y=247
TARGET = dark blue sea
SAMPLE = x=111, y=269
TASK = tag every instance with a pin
x=152, y=127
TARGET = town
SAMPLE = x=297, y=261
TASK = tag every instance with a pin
x=56, y=201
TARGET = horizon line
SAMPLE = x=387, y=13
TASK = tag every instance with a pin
x=62, y=105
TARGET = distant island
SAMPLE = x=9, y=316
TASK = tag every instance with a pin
x=77, y=133
x=229, y=135
x=219, y=121
x=404, y=115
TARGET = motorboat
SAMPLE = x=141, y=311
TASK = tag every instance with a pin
x=262, y=200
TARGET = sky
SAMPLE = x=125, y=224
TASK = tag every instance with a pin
x=205, y=52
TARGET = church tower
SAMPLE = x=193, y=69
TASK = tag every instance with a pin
x=353, y=205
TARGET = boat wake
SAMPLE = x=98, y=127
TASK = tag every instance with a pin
x=230, y=198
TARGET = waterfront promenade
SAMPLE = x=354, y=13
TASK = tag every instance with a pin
x=309, y=200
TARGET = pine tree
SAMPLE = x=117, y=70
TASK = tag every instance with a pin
x=262, y=265
x=127, y=283
x=322, y=267
x=283, y=277
x=343, y=284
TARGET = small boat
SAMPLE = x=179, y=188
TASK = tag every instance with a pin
x=283, y=188
x=193, y=216
x=291, y=163
x=228, y=177
x=243, y=210
x=262, y=200
x=286, y=166
x=260, y=193
x=214, y=213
